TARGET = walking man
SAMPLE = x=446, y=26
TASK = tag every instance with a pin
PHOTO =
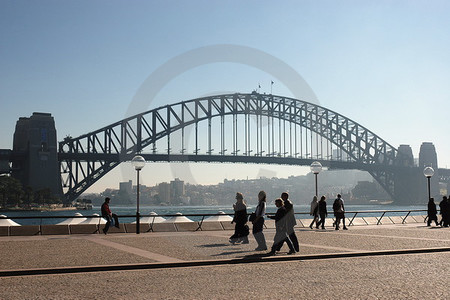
x=432, y=212
x=290, y=221
x=314, y=212
x=443, y=206
x=322, y=211
x=281, y=230
x=339, y=211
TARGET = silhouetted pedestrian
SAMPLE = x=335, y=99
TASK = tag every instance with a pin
x=241, y=229
x=444, y=207
x=290, y=221
x=314, y=212
x=432, y=212
x=281, y=234
x=447, y=209
x=258, y=222
x=322, y=211
x=108, y=216
x=339, y=211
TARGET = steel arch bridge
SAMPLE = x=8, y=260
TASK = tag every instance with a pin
x=243, y=128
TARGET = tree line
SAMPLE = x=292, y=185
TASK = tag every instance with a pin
x=14, y=194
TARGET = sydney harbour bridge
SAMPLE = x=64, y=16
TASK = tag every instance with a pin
x=237, y=128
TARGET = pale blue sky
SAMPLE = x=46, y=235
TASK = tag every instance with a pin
x=384, y=64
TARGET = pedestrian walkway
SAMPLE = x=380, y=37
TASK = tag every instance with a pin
x=174, y=247
x=84, y=254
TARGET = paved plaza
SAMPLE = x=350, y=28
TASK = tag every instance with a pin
x=409, y=261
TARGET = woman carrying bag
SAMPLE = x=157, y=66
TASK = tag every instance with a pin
x=241, y=229
x=258, y=222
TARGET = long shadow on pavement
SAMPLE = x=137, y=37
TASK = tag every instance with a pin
x=213, y=245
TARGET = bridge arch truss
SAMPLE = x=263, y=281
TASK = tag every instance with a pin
x=246, y=128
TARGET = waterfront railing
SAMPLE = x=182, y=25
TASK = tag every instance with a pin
x=200, y=218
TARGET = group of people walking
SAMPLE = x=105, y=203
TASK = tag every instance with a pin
x=319, y=209
x=284, y=221
x=444, y=207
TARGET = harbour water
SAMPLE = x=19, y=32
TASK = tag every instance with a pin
x=130, y=211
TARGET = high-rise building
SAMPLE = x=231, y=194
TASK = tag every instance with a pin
x=176, y=189
x=164, y=192
x=126, y=187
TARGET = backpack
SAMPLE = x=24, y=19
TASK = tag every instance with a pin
x=336, y=204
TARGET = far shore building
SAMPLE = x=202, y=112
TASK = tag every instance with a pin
x=126, y=187
x=164, y=192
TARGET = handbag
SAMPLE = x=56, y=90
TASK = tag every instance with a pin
x=246, y=230
x=252, y=217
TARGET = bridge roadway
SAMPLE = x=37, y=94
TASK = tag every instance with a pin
x=409, y=261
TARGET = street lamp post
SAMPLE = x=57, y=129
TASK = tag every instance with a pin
x=316, y=167
x=428, y=172
x=138, y=163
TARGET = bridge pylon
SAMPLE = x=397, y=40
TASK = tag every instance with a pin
x=35, y=154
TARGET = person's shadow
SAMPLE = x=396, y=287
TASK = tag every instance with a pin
x=213, y=245
x=256, y=256
x=227, y=253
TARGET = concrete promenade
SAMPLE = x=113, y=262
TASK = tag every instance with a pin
x=409, y=261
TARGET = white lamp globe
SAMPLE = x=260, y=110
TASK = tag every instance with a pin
x=316, y=167
x=138, y=162
x=428, y=172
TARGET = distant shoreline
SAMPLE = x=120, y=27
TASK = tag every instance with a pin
x=44, y=208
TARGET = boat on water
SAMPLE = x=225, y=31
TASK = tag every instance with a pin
x=83, y=204
x=381, y=202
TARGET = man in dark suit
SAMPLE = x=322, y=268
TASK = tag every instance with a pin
x=290, y=221
x=281, y=234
